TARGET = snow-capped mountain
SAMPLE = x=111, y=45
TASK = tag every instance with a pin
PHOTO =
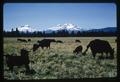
x=26, y=28
x=67, y=26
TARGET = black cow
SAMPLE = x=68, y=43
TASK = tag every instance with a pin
x=29, y=40
x=35, y=47
x=38, y=41
x=100, y=46
x=12, y=61
x=45, y=43
x=78, y=41
x=59, y=41
x=78, y=50
x=22, y=40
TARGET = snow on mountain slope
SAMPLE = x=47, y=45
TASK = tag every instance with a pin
x=26, y=28
x=67, y=26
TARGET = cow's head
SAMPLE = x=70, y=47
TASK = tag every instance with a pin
x=24, y=52
x=74, y=51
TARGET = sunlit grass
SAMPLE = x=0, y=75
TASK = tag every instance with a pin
x=59, y=62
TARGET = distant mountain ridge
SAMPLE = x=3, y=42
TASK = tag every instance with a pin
x=66, y=30
x=67, y=27
x=71, y=27
x=107, y=29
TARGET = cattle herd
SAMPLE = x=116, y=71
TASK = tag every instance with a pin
x=96, y=46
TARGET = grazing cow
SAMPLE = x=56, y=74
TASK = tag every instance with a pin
x=22, y=40
x=38, y=41
x=12, y=61
x=100, y=46
x=78, y=50
x=59, y=41
x=29, y=40
x=35, y=47
x=45, y=43
x=78, y=41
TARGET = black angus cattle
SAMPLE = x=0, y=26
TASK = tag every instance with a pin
x=38, y=41
x=22, y=40
x=78, y=50
x=45, y=43
x=59, y=41
x=29, y=40
x=12, y=61
x=35, y=47
x=100, y=46
x=78, y=41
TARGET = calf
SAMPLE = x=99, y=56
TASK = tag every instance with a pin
x=12, y=61
x=29, y=40
x=78, y=41
x=22, y=40
x=78, y=50
x=59, y=41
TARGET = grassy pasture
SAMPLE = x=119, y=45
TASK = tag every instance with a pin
x=59, y=62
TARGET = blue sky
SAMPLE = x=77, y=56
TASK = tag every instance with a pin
x=45, y=15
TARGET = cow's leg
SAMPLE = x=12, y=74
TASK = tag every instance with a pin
x=27, y=68
x=76, y=53
x=10, y=68
x=102, y=54
x=48, y=47
x=93, y=53
x=111, y=56
x=42, y=47
x=107, y=55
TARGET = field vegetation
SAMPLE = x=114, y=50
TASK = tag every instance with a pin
x=59, y=62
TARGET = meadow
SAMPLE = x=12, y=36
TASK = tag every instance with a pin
x=59, y=62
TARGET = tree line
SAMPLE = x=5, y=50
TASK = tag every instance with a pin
x=61, y=33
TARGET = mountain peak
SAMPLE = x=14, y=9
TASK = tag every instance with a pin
x=26, y=28
x=66, y=26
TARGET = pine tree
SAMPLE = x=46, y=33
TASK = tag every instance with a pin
x=17, y=34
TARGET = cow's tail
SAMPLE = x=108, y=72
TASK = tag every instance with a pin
x=86, y=49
